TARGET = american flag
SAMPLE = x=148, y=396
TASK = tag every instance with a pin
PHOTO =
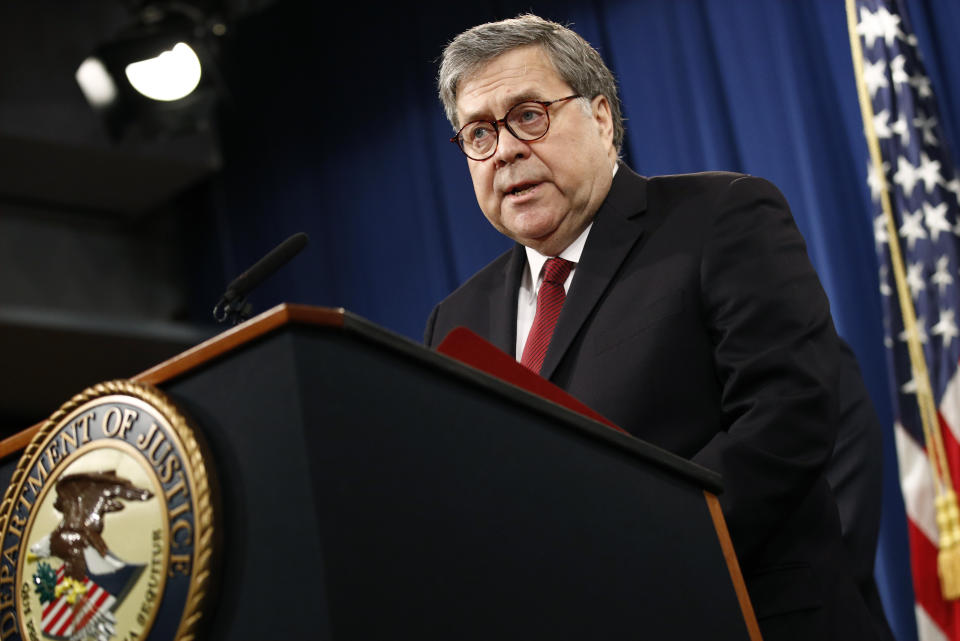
x=85, y=616
x=911, y=170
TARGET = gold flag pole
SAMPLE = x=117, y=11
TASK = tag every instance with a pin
x=948, y=515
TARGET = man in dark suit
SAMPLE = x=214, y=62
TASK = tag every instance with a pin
x=689, y=314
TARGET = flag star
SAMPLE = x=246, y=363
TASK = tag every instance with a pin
x=927, y=125
x=869, y=27
x=928, y=172
x=880, y=230
x=889, y=25
x=897, y=72
x=906, y=175
x=880, y=24
x=875, y=76
x=910, y=387
x=912, y=229
x=881, y=124
x=874, y=180
x=912, y=40
x=946, y=327
x=952, y=186
x=885, y=288
x=915, y=279
x=935, y=218
x=919, y=329
x=922, y=85
x=942, y=278
x=902, y=129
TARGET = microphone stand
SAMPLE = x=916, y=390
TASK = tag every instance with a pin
x=233, y=305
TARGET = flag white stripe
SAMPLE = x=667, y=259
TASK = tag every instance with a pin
x=916, y=482
x=950, y=405
x=54, y=613
x=91, y=596
x=927, y=630
x=63, y=624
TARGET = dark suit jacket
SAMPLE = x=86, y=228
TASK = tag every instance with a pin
x=696, y=322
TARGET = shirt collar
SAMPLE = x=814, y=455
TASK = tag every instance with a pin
x=535, y=259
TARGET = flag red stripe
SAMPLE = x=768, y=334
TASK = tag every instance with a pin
x=952, y=450
x=926, y=584
x=75, y=608
x=64, y=623
x=923, y=555
x=93, y=610
x=49, y=607
x=59, y=602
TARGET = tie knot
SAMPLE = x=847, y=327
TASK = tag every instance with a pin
x=556, y=270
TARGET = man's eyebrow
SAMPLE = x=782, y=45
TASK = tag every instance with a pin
x=524, y=96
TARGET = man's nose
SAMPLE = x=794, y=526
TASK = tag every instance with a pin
x=510, y=148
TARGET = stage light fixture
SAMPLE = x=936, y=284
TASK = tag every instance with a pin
x=155, y=76
x=172, y=75
x=95, y=82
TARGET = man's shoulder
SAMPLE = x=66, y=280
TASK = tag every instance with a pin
x=704, y=180
x=710, y=188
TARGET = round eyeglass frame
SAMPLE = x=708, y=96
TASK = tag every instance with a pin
x=458, y=139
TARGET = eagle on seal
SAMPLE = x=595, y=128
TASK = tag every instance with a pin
x=84, y=499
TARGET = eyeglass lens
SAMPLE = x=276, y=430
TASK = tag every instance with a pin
x=526, y=121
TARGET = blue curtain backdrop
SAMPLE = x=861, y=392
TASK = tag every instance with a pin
x=333, y=128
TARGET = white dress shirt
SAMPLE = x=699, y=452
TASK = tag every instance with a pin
x=530, y=286
x=527, y=300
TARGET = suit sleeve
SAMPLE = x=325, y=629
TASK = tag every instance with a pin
x=775, y=352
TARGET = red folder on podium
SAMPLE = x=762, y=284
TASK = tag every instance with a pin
x=469, y=348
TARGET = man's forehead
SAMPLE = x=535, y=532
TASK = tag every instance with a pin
x=525, y=73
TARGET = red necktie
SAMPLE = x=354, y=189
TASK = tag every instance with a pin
x=549, y=301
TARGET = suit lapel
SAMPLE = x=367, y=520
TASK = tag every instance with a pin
x=617, y=227
x=503, y=303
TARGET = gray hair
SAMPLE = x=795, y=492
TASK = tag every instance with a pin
x=575, y=60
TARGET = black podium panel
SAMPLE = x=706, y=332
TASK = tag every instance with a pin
x=372, y=490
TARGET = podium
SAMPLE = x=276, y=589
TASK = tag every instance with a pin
x=373, y=489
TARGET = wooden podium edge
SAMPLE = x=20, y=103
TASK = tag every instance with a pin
x=733, y=566
x=282, y=314
x=208, y=350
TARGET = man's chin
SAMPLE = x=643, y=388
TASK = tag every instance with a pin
x=531, y=225
x=548, y=244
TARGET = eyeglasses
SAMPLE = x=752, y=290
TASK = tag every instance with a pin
x=527, y=121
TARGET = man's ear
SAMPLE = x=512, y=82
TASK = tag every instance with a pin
x=600, y=108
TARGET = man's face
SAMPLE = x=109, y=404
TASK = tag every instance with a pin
x=541, y=193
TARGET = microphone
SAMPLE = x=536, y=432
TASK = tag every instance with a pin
x=233, y=303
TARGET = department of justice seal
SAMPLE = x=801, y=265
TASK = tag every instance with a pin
x=107, y=525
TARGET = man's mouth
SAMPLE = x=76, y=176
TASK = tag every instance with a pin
x=520, y=190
